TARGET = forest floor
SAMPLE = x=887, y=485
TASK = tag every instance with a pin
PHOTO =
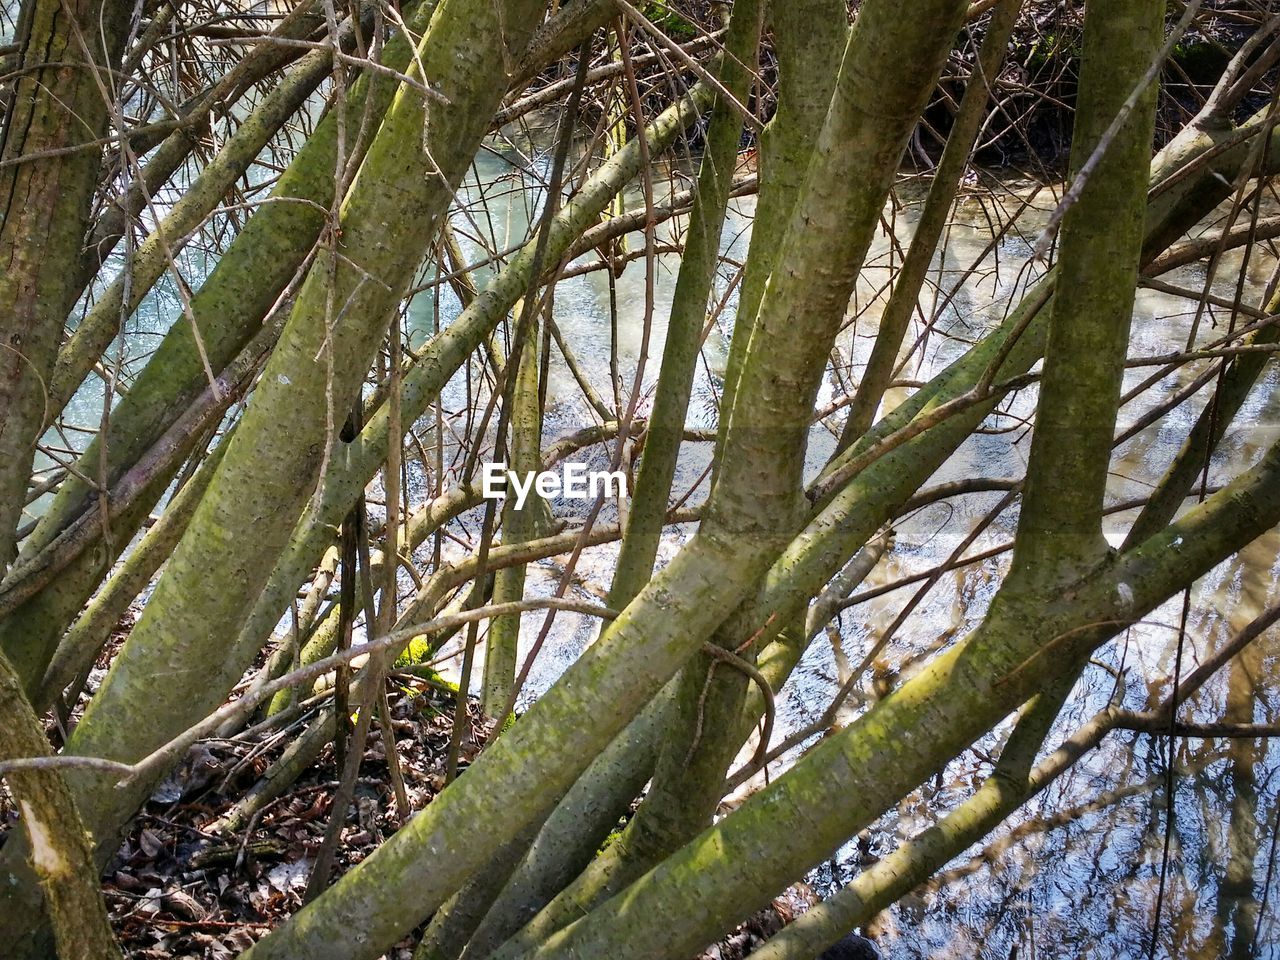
x=179, y=887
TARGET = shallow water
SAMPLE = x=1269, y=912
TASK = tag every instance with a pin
x=1086, y=888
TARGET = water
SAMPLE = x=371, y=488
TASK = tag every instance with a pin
x=1084, y=888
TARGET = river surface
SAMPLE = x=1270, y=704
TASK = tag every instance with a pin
x=1086, y=887
x=1080, y=886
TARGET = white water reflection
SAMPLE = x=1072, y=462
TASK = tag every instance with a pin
x=1085, y=888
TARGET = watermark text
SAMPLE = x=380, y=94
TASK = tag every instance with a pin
x=574, y=482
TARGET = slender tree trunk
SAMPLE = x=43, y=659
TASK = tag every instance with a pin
x=756, y=504
x=60, y=103
x=519, y=524
x=227, y=310
x=1059, y=535
x=809, y=36
x=945, y=184
x=60, y=851
x=272, y=462
x=1060, y=525
x=688, y=312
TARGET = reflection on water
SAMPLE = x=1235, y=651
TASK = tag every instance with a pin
x=1084, y=882
x=1080, y=883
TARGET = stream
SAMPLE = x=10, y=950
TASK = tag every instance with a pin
x=1084, y=888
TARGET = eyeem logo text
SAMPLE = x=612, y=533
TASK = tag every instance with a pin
x=575, y=482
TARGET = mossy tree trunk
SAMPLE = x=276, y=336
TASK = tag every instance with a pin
x=753, y=512
x=225, y=313
x=1060, y=526
x=59, y=847
x=60, y=107
x=688, y=315
x=519, y=523
x=507, y=861
x=408, y=177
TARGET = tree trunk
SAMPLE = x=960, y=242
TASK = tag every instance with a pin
x=272, y=462
x=60, y=105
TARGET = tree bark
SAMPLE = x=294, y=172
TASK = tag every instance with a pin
x=60, y=103
x=271, y=464
x=60, y=851
x=1060, y=526
x=753, y=512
